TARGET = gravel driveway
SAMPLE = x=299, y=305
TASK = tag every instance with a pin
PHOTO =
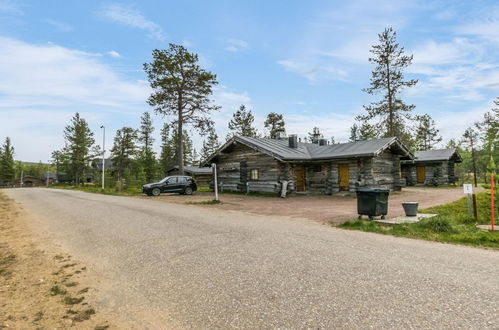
x=164, y=265
x=334, y=209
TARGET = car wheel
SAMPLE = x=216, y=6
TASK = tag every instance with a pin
x=156, y=192
x=188, y=191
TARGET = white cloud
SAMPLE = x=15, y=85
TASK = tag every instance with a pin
x=42, y=86
x=235, y=45
x=113, y=53
x=48, y=73
x=128, y=16
x=61, y=26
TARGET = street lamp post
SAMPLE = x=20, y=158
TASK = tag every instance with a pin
x=103, y=154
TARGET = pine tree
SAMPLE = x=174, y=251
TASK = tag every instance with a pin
x=315, y=135
x=123, y=151
x=145, y=137
x=489, y=132
x=7, y=164
x=275, y=123
x=426, y=133
x=470, y=138
x=210, y=145
x=78, y=139
x=181, y=88
x=167, y=155
x=242, y=123
x=388, y=78
x=363, y=132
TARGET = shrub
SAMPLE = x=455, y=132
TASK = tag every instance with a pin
x=486, y=186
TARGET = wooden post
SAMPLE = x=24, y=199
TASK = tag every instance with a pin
x=492, y=196
x=475, y=215
x=214, y=166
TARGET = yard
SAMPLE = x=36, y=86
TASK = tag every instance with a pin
x=329, y=209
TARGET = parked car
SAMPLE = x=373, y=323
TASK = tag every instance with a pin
x=184, y=185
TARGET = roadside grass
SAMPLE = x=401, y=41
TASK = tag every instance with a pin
x=459, y=209
x=208, y=202
x=451, y=225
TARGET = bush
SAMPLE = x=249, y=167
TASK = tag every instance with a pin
x=486, y=186
x=438, y=225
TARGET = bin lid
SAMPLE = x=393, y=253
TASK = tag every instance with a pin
x=365, y=189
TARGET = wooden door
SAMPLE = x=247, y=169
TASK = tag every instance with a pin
x=344, y=176
x=421, y=173
x=300, y=178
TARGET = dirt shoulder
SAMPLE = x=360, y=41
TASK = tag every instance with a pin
x=322, y=208
x=38, y=288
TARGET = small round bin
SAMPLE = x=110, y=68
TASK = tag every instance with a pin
x=411, y=208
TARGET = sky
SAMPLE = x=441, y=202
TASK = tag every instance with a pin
x=305, y=59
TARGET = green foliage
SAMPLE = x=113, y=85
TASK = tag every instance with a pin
x=274, y=123
x=363, y=132
x=76, y=153
x=437, y=224
x=459, y=209
x=426, y=133
x=181, y=89
x=7, y=165
x=123, y=150
x=388, y=79
x=242, y=123
x=146, y=155
x=210, y=145
x=208, y=202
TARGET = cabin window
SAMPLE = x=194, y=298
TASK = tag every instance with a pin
x=317, y=168
x=254, y=175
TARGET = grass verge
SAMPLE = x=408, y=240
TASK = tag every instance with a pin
x=451, y=225
x=208, y=202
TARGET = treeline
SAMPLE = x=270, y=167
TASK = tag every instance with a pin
x=181, y=93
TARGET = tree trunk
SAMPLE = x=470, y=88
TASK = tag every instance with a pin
x=180, y=138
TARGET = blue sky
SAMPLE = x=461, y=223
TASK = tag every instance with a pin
x=304, y=59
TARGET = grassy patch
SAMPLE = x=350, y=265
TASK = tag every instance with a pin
x=451, y=225
x=204, y=189
x=4, y=263
x=73, y=300
x=458, y=210
x=209, y=202
x=56, y=290
x=439, y=229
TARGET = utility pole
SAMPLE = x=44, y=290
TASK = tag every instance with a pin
x=103, y=154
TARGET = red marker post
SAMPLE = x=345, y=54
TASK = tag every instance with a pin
x=492, y=201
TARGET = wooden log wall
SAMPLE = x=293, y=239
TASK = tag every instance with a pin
x=235, y=165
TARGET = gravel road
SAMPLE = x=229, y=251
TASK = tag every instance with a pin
x=162, y=265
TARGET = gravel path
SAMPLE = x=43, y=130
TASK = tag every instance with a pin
x=163, y=265
x=335, y=209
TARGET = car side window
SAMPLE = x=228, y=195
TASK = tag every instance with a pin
x=182, y=180
x=172, y=180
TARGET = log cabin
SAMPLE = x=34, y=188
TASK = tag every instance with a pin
x=431, y=167
x=250, y=164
